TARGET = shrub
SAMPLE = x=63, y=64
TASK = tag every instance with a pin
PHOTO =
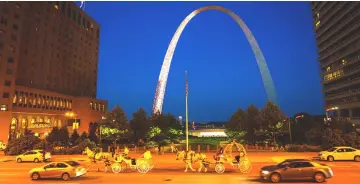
x=21, y=145
x=302, y=148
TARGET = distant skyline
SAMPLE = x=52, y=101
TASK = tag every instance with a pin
x=222, y=70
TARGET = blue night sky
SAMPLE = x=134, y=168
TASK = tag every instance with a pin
x=222, y=70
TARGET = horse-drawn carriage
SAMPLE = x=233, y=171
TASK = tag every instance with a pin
x=239, y=160
x=122, y=162
x=142, y=165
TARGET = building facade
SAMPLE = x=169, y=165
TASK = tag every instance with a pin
x=337, y=33
x=48, y=68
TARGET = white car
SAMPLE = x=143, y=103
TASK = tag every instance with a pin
x=340, y=153
x=33, y=156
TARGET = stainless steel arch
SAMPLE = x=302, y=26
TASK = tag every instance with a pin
x=265, y=73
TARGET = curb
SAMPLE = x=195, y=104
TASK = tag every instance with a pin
x=6, y=160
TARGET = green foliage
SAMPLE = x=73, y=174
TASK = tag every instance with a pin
x=153, y=132
x=58, y=137
x=115, y=125
x=83, y=136
x=331, y=138
x=20, y=145
x=140, y=124
x=235, y=134
x=313, y=136
x=93, y=128
x=272, y=119
x=74, y=137
x=251, y=118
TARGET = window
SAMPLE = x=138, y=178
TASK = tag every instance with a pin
x=318, y=15
x=7, y=83
x=11, y=49
x=3, y=107
x=10, y=60
x=13, y=37
x=340, y=150
x=328, y=68
x=61, y=165
x=317, y=23
x=350, y=150
x=9, y=71
x=6, y=95
x=3, y=21
x=343, y=61
x=15, y=27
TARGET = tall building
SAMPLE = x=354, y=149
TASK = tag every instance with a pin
x=337, y=32
x=48, y=68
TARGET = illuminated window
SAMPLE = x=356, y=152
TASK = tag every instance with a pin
x=13, y=123
x=343, y=61
x=48, y=121
x=103, y=107
x=91, y=105
x=75, y=125
x=95, y=107
x=14, y=99
x=317, y=23
x=59, y=123
x=41, y=120
x=318, y=15
x=55, y=123
x=32, y=122
x=30, y=99
x=56, y=6
x=25, y=100
x=24, y=123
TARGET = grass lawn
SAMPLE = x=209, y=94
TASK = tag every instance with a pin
x=204, y=141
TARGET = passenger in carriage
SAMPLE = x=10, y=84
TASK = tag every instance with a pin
x=147, y=154
x=219, y=153
x=126, y=153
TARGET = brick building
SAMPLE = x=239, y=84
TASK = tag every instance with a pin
x=337, y=34
x=48, y=68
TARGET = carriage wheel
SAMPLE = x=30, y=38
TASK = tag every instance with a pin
x=219, y=168
x=245, y=166
x=116, y=168
x=143, y=167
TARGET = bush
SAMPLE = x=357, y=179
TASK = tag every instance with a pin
x=302, y=148
x=21, y=145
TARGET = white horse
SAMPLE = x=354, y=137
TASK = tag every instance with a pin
x=96, y=156
x=191, y=156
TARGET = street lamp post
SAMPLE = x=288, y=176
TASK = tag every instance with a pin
x=186, y=109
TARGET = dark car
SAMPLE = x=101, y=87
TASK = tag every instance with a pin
x=296, y=169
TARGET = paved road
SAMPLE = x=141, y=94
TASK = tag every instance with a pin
x=168, y=170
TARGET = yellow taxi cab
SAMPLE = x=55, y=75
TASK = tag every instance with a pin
x=64, y=170
x=340, y=153
x=33, y=156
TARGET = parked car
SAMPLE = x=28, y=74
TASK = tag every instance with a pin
x=296, y=169
x=64, y=170
x=340, y=153
x=33, y=156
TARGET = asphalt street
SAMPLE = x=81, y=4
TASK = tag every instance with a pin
x=169, y=170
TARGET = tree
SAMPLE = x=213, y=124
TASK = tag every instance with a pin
x=331, y=138
x=165, y=128
x=313, y=136
x=251, y=122
x=235, y=128
x=92, y=132
x=83, y=136
x=115, y=125
x=20, y=145
x=140, y=124
x=272, y=119
x=74, y=137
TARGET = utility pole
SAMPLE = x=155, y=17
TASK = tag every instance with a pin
x=290, y=131
x=187, y=115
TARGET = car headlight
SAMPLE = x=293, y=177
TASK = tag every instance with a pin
x=331, y=172
x=265, y=172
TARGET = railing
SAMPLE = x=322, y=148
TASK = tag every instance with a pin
x=340, y=46
x=338, y=25
x=330, y=88
x=342, y=93
x=334, y=21
x=350, y=61
x=354, y=49
x=324, y=21
x=342, y=33
x=346, y=73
